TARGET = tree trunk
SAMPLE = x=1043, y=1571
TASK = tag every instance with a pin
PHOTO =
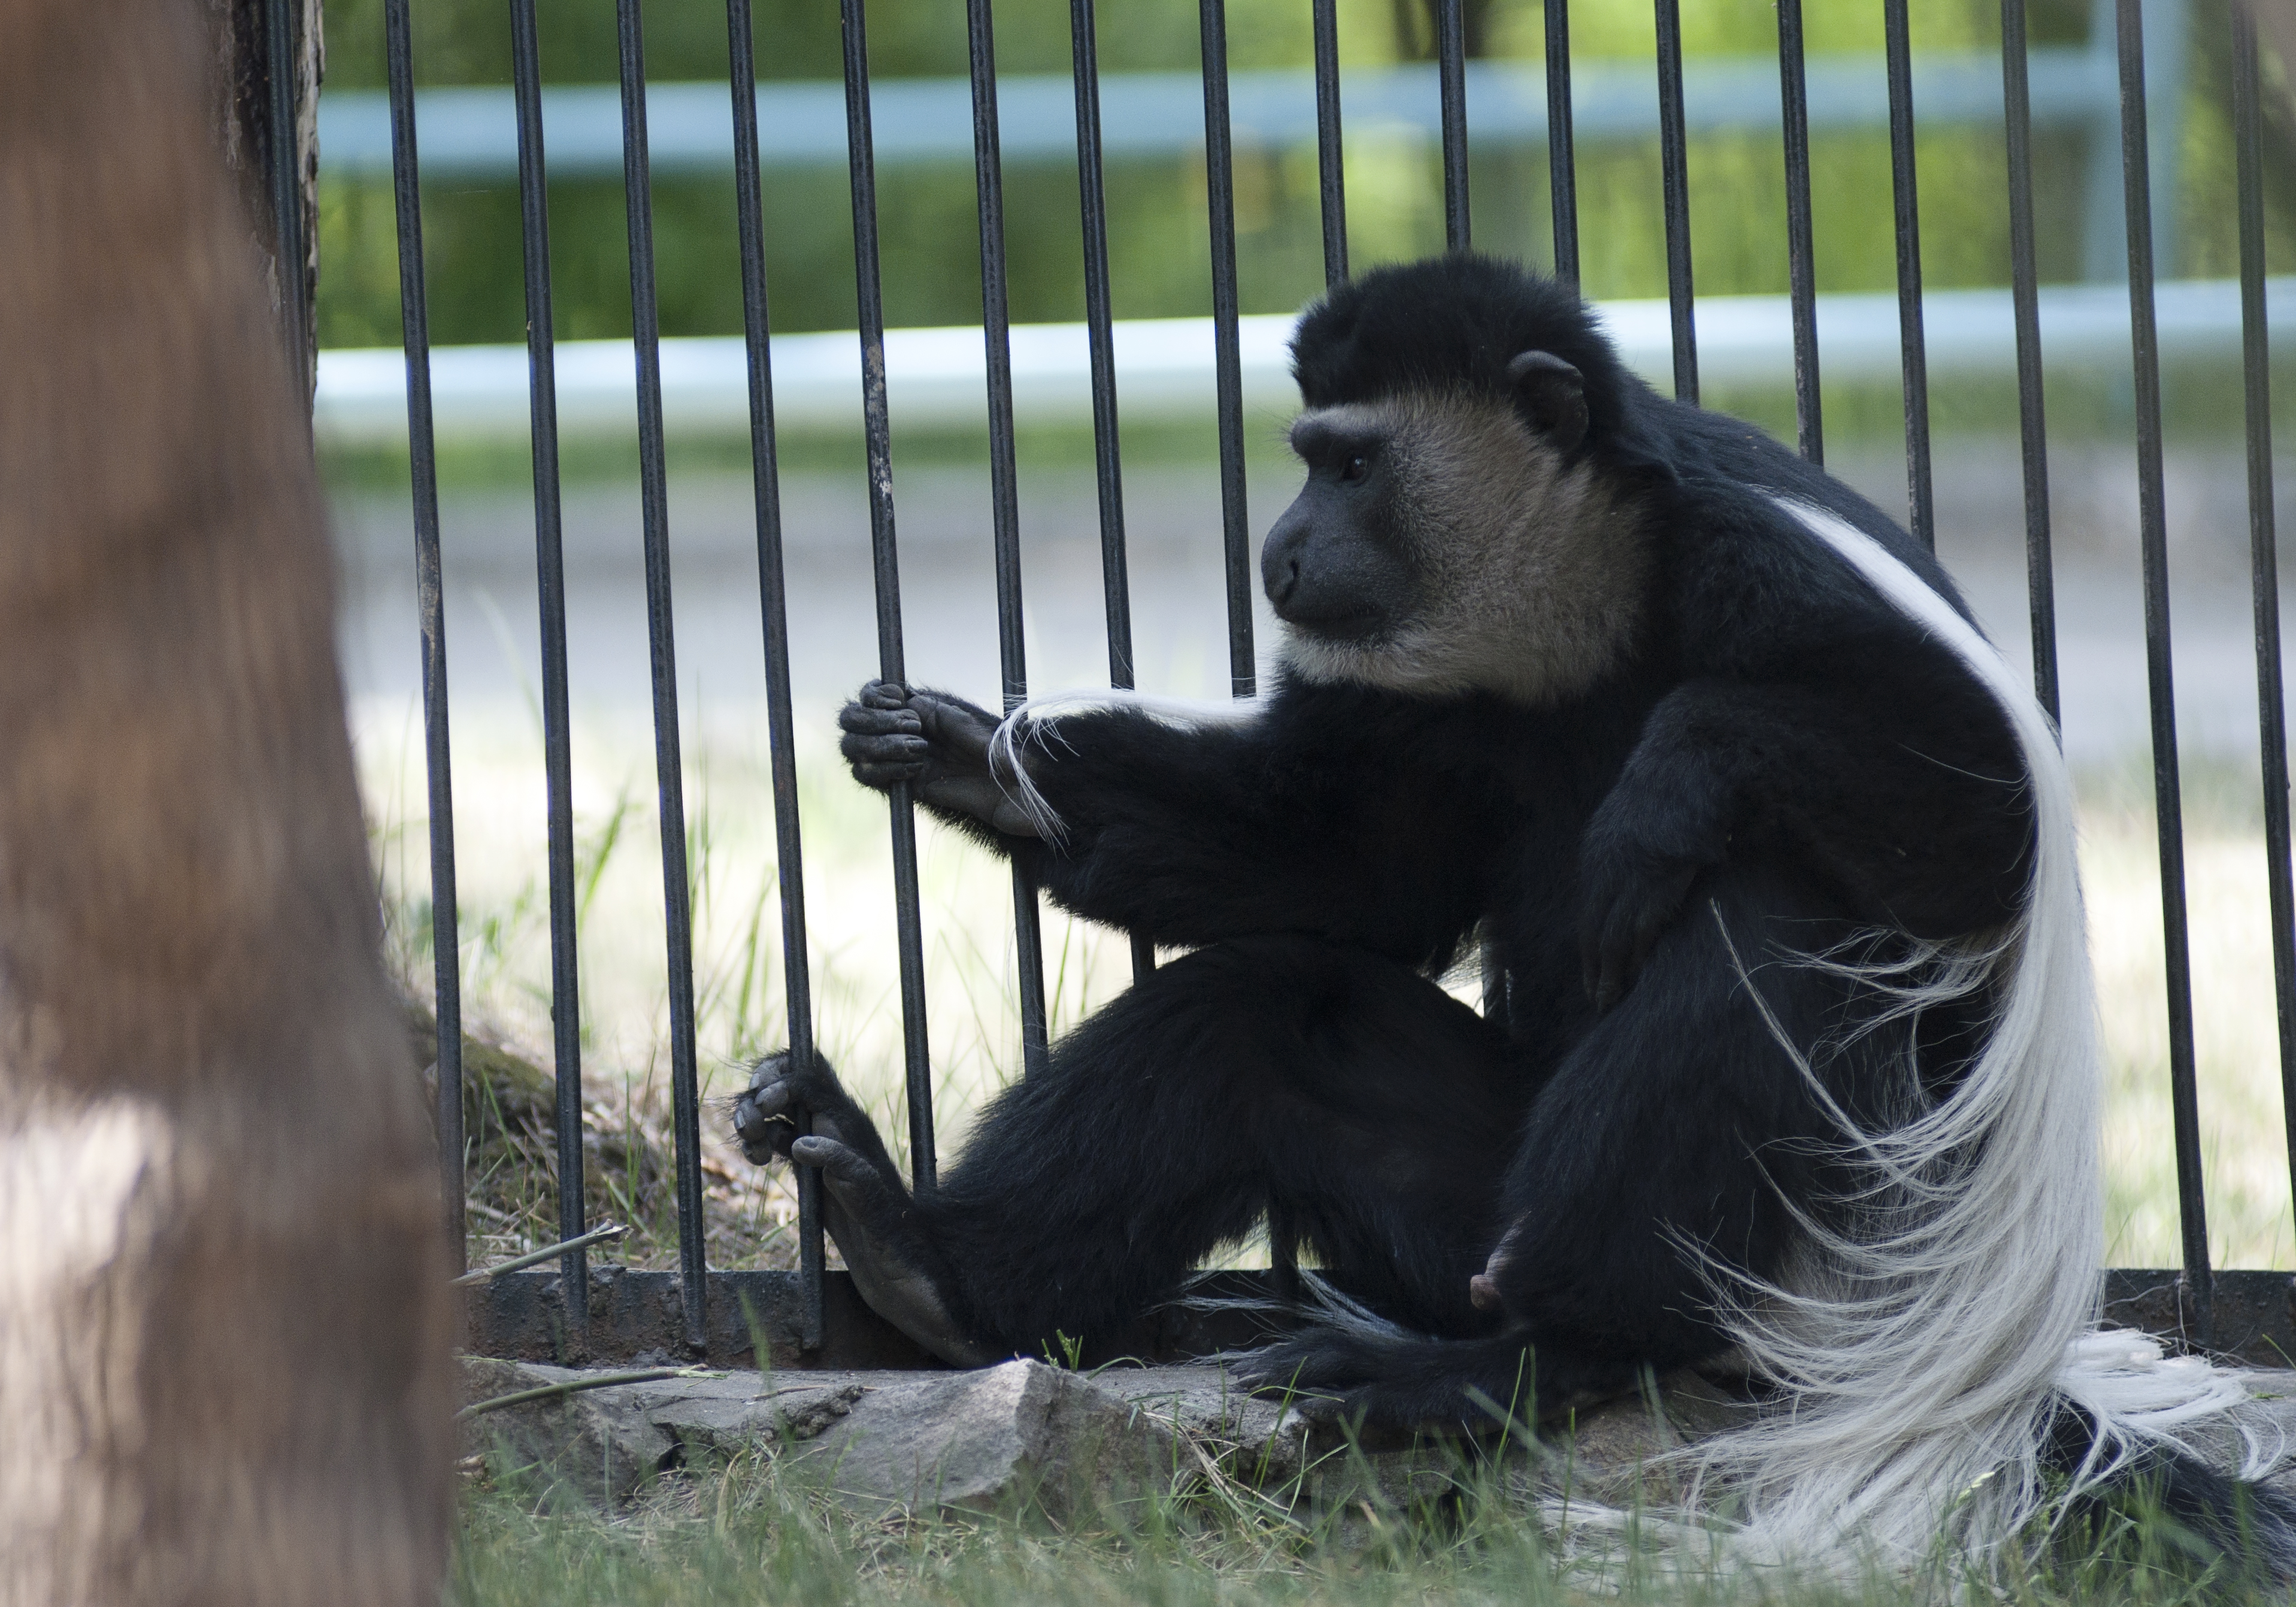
x=223, y=1318
x=241, y=34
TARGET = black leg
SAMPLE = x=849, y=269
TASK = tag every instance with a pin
x=1381, y=1112
x=1677, y=1120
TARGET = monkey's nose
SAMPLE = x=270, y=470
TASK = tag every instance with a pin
x=1279, y=564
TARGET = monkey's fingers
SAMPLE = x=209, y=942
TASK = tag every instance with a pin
x=766, y=1136
x=865, y=719
x=958, y=728
x=886, y=761
x=885, y=694
x=763, y=1119
x=894, y=749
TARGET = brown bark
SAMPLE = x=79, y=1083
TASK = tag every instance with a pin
x=223, y=1324
x=239, y=36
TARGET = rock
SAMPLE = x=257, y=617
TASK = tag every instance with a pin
x=1616, y=1452
x=1239, y=1435
x=1006, y=1438
x=597, y=1447
x=1026, y=1437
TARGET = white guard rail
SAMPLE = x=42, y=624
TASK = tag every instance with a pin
x=937, y=377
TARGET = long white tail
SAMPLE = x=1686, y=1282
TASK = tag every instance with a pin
x=1927, y=1349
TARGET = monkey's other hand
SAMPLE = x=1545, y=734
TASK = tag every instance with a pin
x=865, y=1207
x=1630, y=892
x=782, y=1095
x=936, y=743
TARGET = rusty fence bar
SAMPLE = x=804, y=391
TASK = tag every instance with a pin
x=1005, y=497
x=2264, y=571
x=430, y=598
x=2168, y=796
x=2032, y=426
x=653, y=492
x=1674, y=164
x=869, y=295
x=1108, y=456
x=1561, y=155
x=1919, y=500
x=1220, y=190
x=1330, y=173
x=1801, y=270
x=1451, y=74
x=557, y=741
x=765, y=464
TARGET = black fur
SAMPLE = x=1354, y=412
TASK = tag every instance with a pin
x=1777, y=763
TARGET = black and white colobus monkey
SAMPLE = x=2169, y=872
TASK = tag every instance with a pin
x=1797, y=1051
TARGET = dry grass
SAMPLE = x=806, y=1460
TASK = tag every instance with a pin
x=972, y=1012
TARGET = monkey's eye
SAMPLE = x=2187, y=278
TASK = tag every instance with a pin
x=1353, y=468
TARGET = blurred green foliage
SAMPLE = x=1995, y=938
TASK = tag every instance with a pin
x=1160, y=255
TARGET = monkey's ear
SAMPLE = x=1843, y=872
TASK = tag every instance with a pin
x=1551, y=394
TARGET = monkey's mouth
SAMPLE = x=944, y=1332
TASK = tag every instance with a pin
x=1356, y=627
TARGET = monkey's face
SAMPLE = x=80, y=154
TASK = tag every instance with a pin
x=1444, y=544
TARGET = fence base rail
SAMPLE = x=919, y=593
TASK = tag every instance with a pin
x=637, y=1316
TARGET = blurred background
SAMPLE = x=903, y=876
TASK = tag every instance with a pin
x=1160, y=268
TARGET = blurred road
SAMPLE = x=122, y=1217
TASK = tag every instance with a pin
x=1179, y=629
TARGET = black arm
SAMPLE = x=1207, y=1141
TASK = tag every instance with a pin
x=1192, y=834
x=1904, y=791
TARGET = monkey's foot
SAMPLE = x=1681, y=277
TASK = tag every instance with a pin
x=865, y=1207
x=1402, y=1380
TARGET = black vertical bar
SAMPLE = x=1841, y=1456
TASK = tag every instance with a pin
x=1451, y=68
x=1107, y=461
x=1243, y=680
x=1331, y=164
x=1912, y=350
x=1116, y=585
x=868, y=291
x=557, y=743
x=789, y=853
x=1561, y=154
x=1004, y=490
x=2256, y=373
x=1674, y=170
x=2040, y=569
x=1801, y=270
x=1219, y=173
x=2167, y=793
x=414, y=320
x=279, y=31
x=677, y=917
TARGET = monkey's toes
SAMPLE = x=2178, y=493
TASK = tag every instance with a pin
x=847, y=1172
x=765, y=1135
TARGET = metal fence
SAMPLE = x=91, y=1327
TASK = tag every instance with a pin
x=2128, y=44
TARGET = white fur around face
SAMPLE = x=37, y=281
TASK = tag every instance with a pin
x=1534, y=573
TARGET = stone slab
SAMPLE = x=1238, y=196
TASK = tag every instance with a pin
x=1025, y=1436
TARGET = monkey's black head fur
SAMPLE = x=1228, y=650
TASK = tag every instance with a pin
x=1450, y=324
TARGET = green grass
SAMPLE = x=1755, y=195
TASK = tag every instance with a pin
x=752, y=1530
